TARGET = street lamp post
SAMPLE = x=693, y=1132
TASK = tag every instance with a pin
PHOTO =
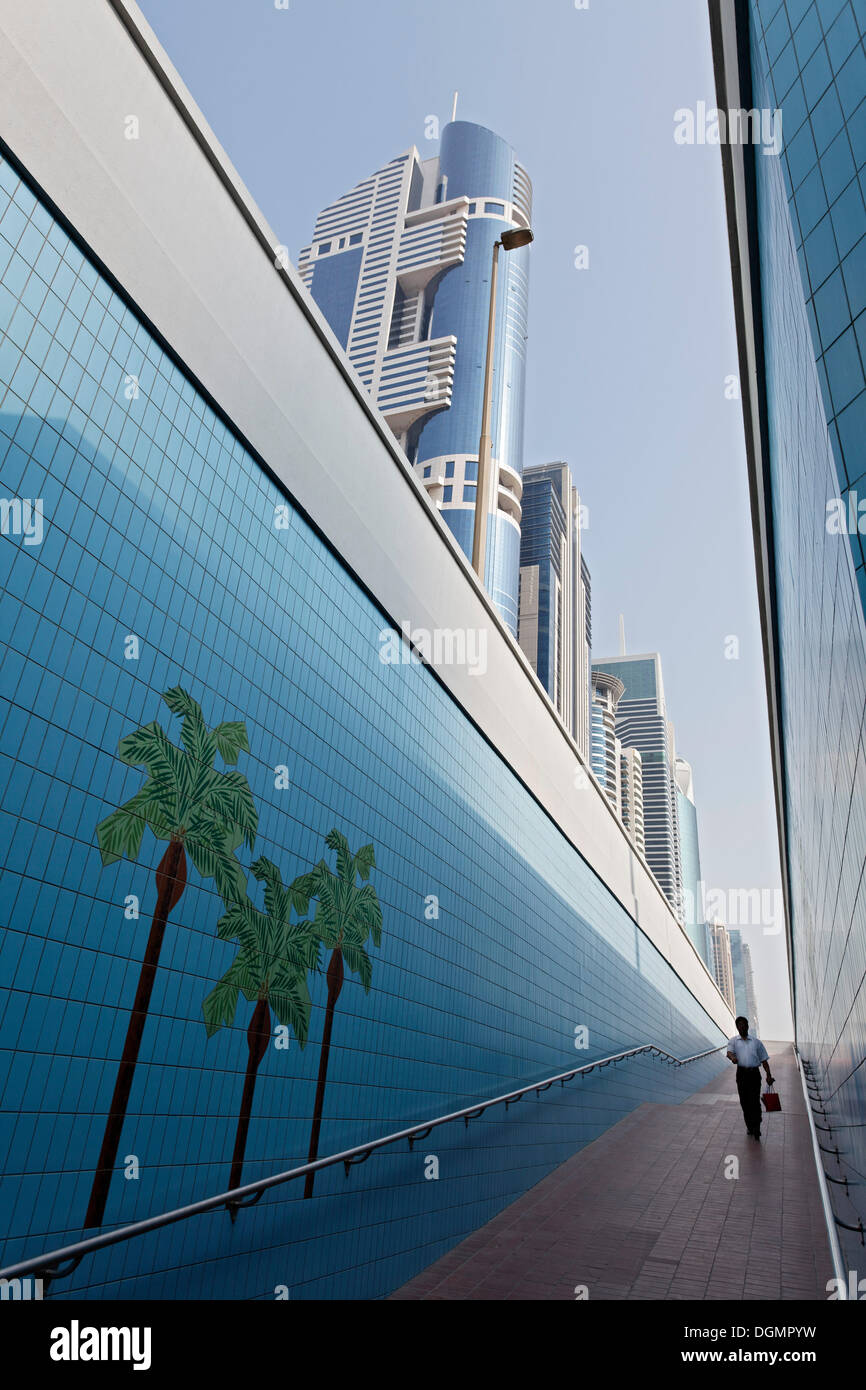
x=509, y=241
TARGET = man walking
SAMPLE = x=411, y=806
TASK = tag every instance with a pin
x=749, y=1055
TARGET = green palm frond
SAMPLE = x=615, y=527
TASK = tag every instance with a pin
x=289, y=998
x=231, y=741
x=151, y=748
x=121, y=833
x=346, y=915
x=312, y=948
x=194, y=736
x=365, y=860
x=186, y=797
x=275, y=894
x=298, y=946
x=359, y=963
x=211, y=849
x=303, y=889
x=274, y=953
x=220, y=1006
x=245, y=924
x=231, y=801
x=367, y=914
x=336, y=840
x=328, y=918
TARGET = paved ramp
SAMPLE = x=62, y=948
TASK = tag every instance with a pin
x=646, y=1212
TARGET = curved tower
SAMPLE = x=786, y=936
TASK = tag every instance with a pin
x=607, y=691
x=478, y=166
x=401, y=267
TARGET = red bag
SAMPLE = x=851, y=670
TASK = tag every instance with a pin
x=771, y=1100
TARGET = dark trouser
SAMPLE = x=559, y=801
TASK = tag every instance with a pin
x=749, y=1087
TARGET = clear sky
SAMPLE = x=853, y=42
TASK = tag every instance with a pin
x=627, y=360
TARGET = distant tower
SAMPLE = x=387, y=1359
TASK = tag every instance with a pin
x=690, y=858
x=744, y=980
x=642, y=723
x=723, y=971
x=619, y=769
x=751, y=996
x=607, y=690
x=554, y=602
x=631, y=795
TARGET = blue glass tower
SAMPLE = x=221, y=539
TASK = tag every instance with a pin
x=401, y=268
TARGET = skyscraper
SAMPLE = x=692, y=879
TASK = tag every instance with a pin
x=797, y=231
x=642, y=723
x=744, y=980
x=751, y=995
x=400, y=266
x=722, y=967
x=618, y=769
x=690, y=859
x=607, y=691
x=631, y=795
x=553, y=609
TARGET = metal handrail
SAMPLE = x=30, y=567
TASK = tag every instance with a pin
x=46, y=1266
x=831, y=1220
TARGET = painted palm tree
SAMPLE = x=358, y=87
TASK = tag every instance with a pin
x=269, y=970
x=346, y=915
x=204, y=814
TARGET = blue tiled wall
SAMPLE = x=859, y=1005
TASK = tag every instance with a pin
x=813, y=61
x=159, y=524
x=821, y=633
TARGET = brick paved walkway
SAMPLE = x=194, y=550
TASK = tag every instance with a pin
x=647, y=1212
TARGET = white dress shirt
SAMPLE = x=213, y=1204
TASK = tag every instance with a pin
x=749, y=1052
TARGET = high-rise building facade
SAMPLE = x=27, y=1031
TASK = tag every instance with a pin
x=642, y=723
x=401, y=266
x=690, y=859
x=722, y=965
x=553, y=604
x=631, y=795
x=607, y=691
x=797, y=232
x=751, y=991
x=618, y=769
x=745, y=1002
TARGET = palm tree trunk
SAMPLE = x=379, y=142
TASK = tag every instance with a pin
x=258, y=1035
x=335, y=984
x=170, y=882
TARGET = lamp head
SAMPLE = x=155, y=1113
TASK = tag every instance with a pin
x=521, y=236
